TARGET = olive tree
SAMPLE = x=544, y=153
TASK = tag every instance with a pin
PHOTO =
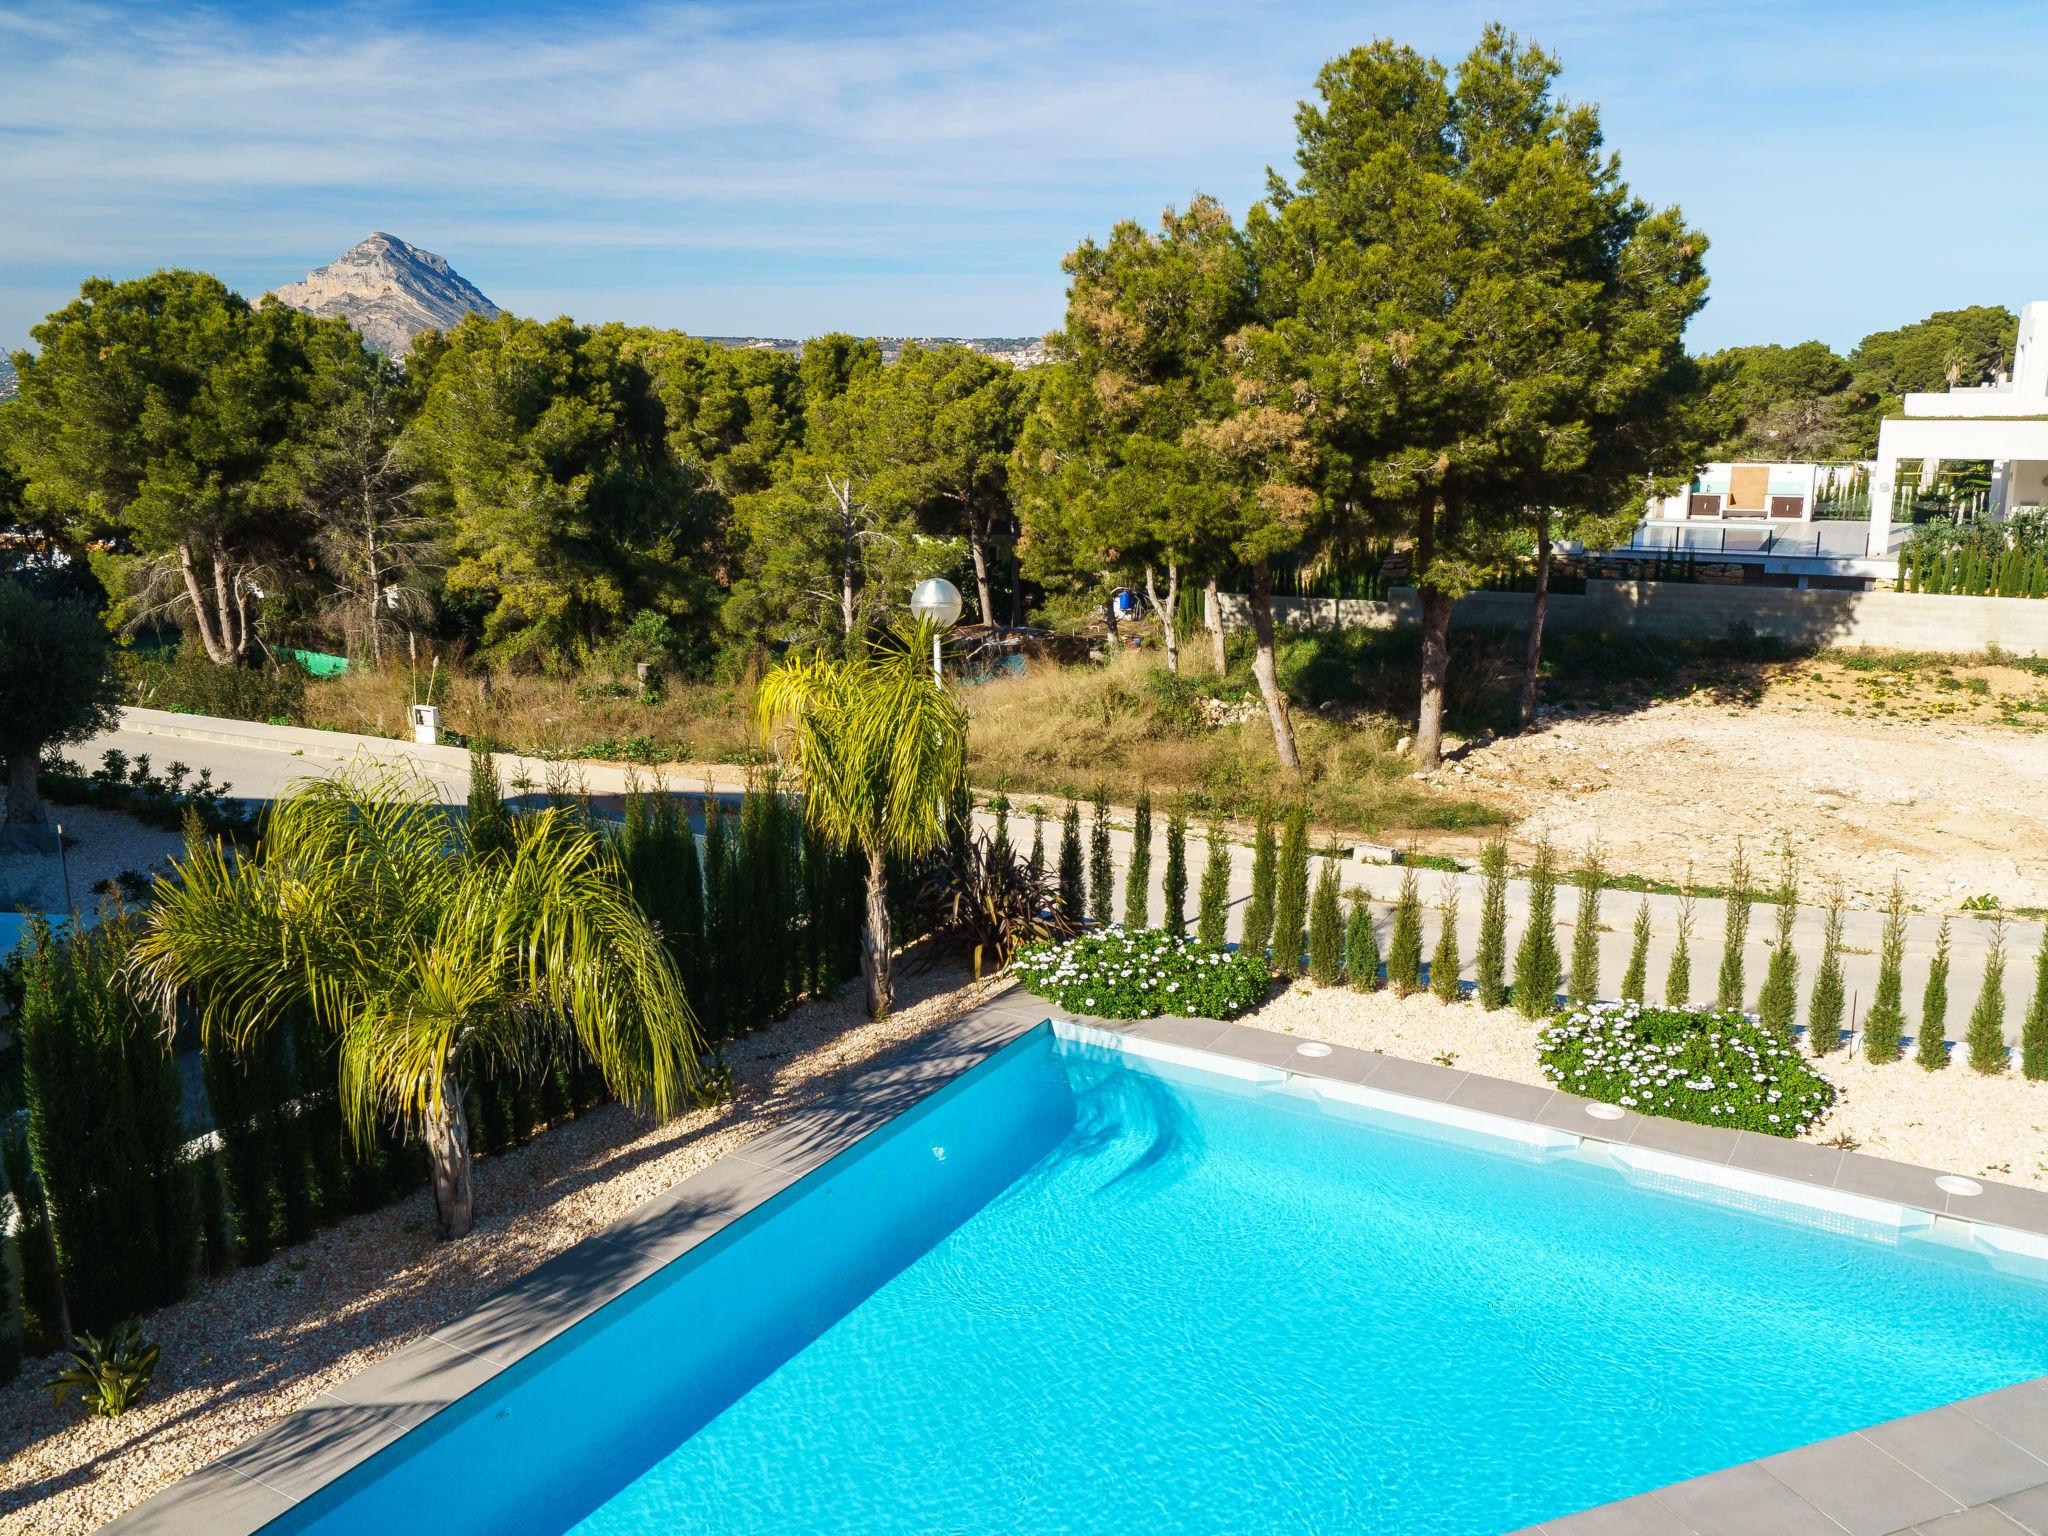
x=57, y=685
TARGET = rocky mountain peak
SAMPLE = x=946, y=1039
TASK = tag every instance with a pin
x=389, y=291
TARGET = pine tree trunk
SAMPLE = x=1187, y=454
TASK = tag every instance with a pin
x=202, y=618
x=24, y=801
x=1436, y=664
x=451, y=1165
x=1215, y=606
x=1533, y=658
x=1109, y=616
x=977, y=549
x=876, y=964
x=1267, y=671
x=1165, y=610
x=1016, y=586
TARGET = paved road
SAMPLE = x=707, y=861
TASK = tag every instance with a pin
x=260, y=760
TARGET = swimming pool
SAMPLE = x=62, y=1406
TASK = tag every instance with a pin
x=1080, y=1290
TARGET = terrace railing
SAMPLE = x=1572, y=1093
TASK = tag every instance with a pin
x=1832, y=540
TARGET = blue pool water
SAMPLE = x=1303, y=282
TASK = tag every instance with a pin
x=1079, y=1293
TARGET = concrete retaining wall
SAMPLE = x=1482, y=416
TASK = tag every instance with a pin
x=1688, y=610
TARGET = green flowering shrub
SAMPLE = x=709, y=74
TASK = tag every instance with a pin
x=1707, y=1065
x=1139, y=974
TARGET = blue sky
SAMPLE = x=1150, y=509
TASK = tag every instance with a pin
x=784, y=169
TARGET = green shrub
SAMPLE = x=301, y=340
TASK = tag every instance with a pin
x=1537, y=967
x=1444, y=963
x=1709, y=1066
x=1101, y=866
x=110, y=1373
x=1735, y=931
x=1073, y=878
x=1985, y=1036
x=1404, y=946
x=488, y=823
x=1362, y=947
x=1326, y=930
x=1126, y=974
x=1824, y=1008
x=2034, y=1029
x=1258, y=911
x=1931, y=1049
x=187, y=683
x=1777, y=1004
x=1290, y=895
x=1491, y=972
x=1174, y=915
x=1584, y=983
x=1138, y=873
x=1636, y=978
x=1678, y=975
x=1212, y=927
x=1884, y=1027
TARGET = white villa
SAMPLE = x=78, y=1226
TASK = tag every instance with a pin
x=2005, y=422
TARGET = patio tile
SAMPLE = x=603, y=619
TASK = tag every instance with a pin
x=1639, y=1516
x=2029, y=1507
x=214, y=1501
x=1883, y=1179
x=1260, y=1045
x=708, y=1201
x=1708, y=1143
x=322, y=1441
x=1496, y=1096
x=1195, y=1034
x=1567, y=1112
x=1964, y=1458
x=1744, y=1501
x=2004, y=1205
x=548, y=1299
x=1984, y=1520
x=1855, y=1484
x=426, y=1371
x=1417, y=1079
x=1786, y=1159
x=2018, y=1413
x=1344, y=1064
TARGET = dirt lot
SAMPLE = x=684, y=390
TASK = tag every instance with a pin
x=1930, y=767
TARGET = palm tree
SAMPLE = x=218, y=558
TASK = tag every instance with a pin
x=364, y=906
x=881, y=751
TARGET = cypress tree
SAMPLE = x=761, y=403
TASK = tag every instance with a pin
x=1290, y=893
x=1258, y=912
x=1362, y=947
x=712, y=1009
x=1678, y=977
x=1986, y=1033
x=1885, y=1025
x=40, y=1296
x=1212, y=927
x=1492, y=965
x=1073, y=877
x=1824, y=1007
x=1138, y=873
x=1537, y=966
x=1444, y=963
x=1777, y=1005
x=488, y=823
x=1635, y=980
x=1404, y=947
x=1038, y=842
x=999, y=807
x=1101, y=866
x=1931, y=1049
x=1735, y=931
x=1174, y=916
x=2034, y=1029
x=1326, y=930
x=1584, y=984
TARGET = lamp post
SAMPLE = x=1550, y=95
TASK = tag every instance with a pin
x=937, y=600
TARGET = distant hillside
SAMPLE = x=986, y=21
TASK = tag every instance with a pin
x=1023, y=351
x=6, y=379
x=389, y=291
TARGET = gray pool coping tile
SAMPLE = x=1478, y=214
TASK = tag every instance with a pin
x=1896, y=1477
x=1984, y=1520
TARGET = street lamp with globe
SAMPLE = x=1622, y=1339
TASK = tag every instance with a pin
x=936, y=601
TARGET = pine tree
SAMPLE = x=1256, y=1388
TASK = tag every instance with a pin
x=1290, y=894
x=1212, y=927
x=1443, y=960
x=1101, y=867
x=1404, y=948
x=1584, y=984
x=1931, y=1050
x=1258, y=911
x=1986, y=1033
x=2034, y=1029
x=1326, y=929
x=1636, y=978
x=1885, y=1025
x=1362, y=947
x=1735, y=932
x=1073, y=878
x=1777, y=1005
x=1492, y=968
x=1138, y=873
x=1678, y=978
x=1537, y=967
x=1824, y=1007
x=1174, y=915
